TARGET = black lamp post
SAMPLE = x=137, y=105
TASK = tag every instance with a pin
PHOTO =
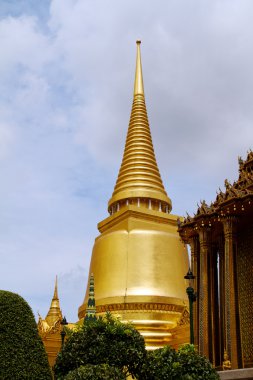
x=63, y=332
x=192, y=298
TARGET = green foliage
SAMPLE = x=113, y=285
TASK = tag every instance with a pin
x=108, y=349
x=195, y=366
x=161, y=364
x=22, y=354
x=186, y=364
x=103, y=341
x=96, y=372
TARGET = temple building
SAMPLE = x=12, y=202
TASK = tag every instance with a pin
x=138, y=260
x=221, y=240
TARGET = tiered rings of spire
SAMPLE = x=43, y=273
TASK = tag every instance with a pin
x=139, y=181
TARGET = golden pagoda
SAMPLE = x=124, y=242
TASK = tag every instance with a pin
x=138, y=260
x=50, y=328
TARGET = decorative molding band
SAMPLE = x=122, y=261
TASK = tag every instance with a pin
x=149, y=307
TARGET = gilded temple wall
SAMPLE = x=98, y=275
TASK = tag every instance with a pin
x=245, y=286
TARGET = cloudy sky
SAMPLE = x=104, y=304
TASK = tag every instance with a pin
x=66, y=84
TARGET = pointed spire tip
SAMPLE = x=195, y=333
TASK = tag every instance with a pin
x=56, y=288
x=138, y=83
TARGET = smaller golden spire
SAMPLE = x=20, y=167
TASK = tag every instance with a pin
x=54, y=312
x=138, y=83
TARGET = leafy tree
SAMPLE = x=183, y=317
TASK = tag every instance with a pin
x=96, y=372
x=161, y=364
x=186, y=364
x=102, y=341
x=22, y=354
x=195, y=366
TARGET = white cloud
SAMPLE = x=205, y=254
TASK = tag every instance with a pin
x=22, y=43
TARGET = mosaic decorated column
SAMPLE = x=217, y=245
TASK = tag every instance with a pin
x=221, y=296
x=214, y=306
x=195, y=269
x=204, y=240
x=231, y=320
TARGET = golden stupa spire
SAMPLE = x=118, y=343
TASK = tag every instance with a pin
x=139, y=179
x=54, y=312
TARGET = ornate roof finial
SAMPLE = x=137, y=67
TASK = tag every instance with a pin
x=91, y=305
x=139, y=176
x=227, y=184
x=240, y=161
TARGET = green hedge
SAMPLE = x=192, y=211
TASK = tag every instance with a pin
x=96, y=372
x=22, y=354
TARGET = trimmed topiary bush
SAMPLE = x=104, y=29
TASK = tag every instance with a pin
x=96, y=372
x=22, y=354
x=103, y=341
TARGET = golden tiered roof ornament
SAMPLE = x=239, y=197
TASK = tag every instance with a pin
x=50, y=327
x=52, y=323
